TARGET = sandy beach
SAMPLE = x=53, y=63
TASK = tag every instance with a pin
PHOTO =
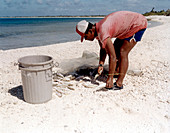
x=143, y=106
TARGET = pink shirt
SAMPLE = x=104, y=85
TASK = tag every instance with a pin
x=121, y=24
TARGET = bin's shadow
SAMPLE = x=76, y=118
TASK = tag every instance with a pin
x=17, y=92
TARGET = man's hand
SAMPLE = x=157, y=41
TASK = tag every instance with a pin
x=100, y=70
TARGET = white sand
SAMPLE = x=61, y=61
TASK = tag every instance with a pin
x=143, y=106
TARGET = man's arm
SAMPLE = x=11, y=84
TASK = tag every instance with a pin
x=112, y=62
x=102, y=54
x=102, y=58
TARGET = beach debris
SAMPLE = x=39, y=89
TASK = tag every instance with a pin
x=79, y=78
x=83, y=74
x=135, y=72
x=60, y=75
x=71, y=87
x=72, y=77
x=71, y=84
x=62, y=91
x=88, y=85
x=101, y=87
x=58, y=93
x=57, y=76
x=66, y=79
x=62, y=87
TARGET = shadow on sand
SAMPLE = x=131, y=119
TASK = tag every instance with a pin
x=17, y=92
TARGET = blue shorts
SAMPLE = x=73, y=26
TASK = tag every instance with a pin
x=137, y=36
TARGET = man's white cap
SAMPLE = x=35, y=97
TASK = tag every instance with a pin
x=81, y=28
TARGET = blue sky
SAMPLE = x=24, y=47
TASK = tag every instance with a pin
x=77, y=7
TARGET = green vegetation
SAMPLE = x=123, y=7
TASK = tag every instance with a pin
x=162, y=12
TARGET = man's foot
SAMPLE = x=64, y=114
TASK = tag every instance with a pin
x=115, y=87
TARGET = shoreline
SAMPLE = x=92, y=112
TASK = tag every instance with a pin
x=59, y=17
x=142, y=106
x=152, y=23
x=149, y=19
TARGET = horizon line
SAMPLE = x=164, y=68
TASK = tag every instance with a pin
x=49, y=16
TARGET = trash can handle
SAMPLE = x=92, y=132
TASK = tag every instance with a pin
x=56, y=64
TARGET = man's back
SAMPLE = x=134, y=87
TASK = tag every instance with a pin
x=122, y=24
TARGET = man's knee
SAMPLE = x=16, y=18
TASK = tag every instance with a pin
x=126, y=48
x=123, y=52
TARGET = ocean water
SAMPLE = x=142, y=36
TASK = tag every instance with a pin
x=31, y=32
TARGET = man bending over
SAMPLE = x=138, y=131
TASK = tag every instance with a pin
x=127, y=27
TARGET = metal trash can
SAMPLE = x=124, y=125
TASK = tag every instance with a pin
x=36, y=73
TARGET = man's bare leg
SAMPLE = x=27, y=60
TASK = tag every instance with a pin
x=123, y=60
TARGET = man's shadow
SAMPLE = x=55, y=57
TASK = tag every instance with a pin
x=17, y=92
